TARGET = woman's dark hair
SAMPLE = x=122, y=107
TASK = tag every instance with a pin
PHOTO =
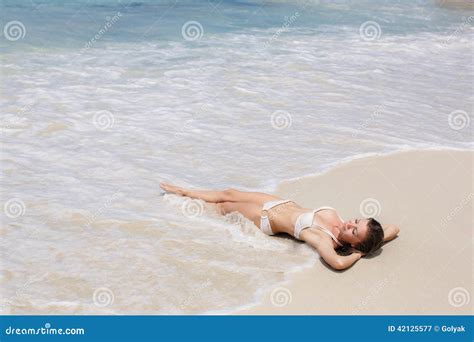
x=372, y=242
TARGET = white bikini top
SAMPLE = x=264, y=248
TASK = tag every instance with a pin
x=305, y=221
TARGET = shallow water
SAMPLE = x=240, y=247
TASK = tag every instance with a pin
x=102, y=100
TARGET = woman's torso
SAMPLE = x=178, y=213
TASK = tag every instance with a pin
x=283, y=219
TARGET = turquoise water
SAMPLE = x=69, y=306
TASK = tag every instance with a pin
x=101, y=100
x=69, y=23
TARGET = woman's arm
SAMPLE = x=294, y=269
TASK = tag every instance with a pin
x=390, y=231
x=327, y=252
x=348, y=260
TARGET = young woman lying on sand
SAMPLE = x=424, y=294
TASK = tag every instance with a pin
x=339, y=243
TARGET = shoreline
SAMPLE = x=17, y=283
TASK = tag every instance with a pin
x=347, y=160
x=413, y=172
x=272, y=187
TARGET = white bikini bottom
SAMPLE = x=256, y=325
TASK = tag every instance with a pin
x=264, y=220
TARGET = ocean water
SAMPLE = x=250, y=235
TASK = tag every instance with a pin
x=102, y=100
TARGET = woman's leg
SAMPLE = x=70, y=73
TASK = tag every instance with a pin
x=208, y=196
x=229, y=195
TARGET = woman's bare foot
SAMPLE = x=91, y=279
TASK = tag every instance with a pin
x=172, y=188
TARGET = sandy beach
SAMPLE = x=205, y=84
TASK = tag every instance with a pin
x=427, y=269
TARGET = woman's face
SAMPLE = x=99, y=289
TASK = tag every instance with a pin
x=354, y=231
